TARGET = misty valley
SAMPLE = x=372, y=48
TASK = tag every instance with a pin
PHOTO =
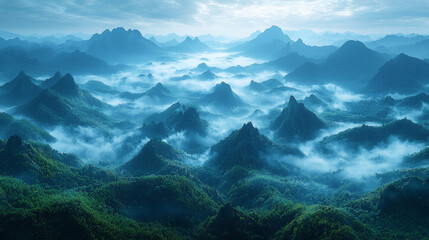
x=131, y=136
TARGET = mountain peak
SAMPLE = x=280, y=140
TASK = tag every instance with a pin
x=352, y=44
x=296, y=122
x=67, y=86
x=292, y=101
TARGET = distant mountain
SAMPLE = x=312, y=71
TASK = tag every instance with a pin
x=286, y=63
x=179, y=117
x=10, y=126
x=368, y=137
x=154, y=158
x=403, y=75
x=413, y=102
x=222, y=96
x=18, y=91
x=313, y=101
x=65, y=103
x=273, y=44
x=296, y=123
x=391, y=41
x=207, y=75
x=190, y=45
x=99, y=87
x=250, y=149
x=121, y=46
x=265, y=85
x=39, y=61
x=265, y=44
x=203, y=67
x=158, y=93
x=78, y=62
x=351, y=66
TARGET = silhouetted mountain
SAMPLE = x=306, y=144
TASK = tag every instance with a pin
x=121, y=46
x=265, y=44
x=286, y=63
x=296, y=122
x=190, y=45
x=222, y=96
x=50, y=82
x=418, y=50
x=403, y=75
x=10, y=126
x=413, y=102
x=78, y=62
x=248, y=148
x=18, y=91
x=158, y=93
x=179, y=117
x=155, y=157
x=391, y=41
x=65, y=103
x=155, y=130
x=265, y=85
x=351, y=66
x=207, y=75
x=368, y=136
x=100, y=87
x=313, y=101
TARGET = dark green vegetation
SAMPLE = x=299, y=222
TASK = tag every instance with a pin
x=65, y=103
x=245, y=191
x=10, y=126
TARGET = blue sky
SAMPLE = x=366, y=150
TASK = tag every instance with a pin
x=218, y=17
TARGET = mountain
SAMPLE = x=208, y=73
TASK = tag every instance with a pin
x=155, y=156
x=207, y=75
x=37, y=163
x=179, y=117
x=50, y=82
x=403, y=75
x=10, y=126
x=65, y=103
x=78, y=62
x=265, y=44
x=368, y=137
x=190, y=45
x=250, y=149
x=99, y=87
x=351, y=66
x=286, y=63
x=18, y=91
x=158, y=93
x=296, y=123
x=313, y=101
x=222, y=96
x=265, y=85
x=121, y=46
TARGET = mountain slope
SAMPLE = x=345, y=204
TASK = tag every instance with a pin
x=65, y=103
x=18, y=91
x=351, y=66
x=121, y=46
x=250, y=149
x=403, y=75
x=296, y=122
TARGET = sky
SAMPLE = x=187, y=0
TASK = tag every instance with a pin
x=233, y=18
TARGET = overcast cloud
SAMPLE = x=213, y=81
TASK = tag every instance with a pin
x=218, y=17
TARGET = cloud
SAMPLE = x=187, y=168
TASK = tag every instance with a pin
x=234, y=17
